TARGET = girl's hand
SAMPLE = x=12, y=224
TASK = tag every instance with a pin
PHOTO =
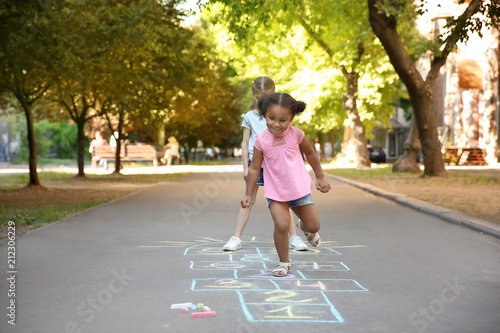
x=245, y=203
x=245, y=173
x=323, y=185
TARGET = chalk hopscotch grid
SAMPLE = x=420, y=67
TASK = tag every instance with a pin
x=256, y=258
x=322, y=317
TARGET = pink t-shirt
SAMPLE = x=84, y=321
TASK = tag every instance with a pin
x=285, y=174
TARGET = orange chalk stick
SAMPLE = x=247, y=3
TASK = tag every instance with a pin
x=203, y=314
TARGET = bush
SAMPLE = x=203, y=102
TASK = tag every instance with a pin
x=59, y=138
x=65, y=138
x=43, y=141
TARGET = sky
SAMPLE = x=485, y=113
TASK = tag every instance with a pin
x=191, y=5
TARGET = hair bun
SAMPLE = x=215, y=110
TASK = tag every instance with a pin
x=300, y=106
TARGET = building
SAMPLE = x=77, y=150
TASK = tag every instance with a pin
x=465, y=102
x=465, y=93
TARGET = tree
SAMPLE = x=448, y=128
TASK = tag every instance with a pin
x=26, y=61
x=384, y=18
x=207, y=109
x=78, y=79
x=337, y=37
x=118, y=78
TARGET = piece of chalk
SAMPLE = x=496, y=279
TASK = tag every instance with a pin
x=206, y=309
x=184, y=310
x=181, y=305
x=203, y=314
x=200, y=305
x=193, y=307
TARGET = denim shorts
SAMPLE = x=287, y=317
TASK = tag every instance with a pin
x=305, y=200
x=260, y=181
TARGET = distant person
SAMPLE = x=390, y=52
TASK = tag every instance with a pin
x=4, y=151
x=13, y=145
x=287, y=182
x=209, y=153
x=98, y=142
x=171, y=151
x=113, y=139
x=253, y=124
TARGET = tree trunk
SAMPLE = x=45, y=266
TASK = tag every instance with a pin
x=186, y=153
x=33, y=174
x=332, y=139
x=357, y=127
x=419, y=90
x=408, y=161
x=161, y=135
x=81, y=148
x=322, y=153
x=349, y=101
x=347, y=151
x=118, y=160
x=421, y=100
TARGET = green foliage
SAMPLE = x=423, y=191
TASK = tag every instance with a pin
x=64, y=138
x=43, y=131
x=302, y=45
x=59, y=137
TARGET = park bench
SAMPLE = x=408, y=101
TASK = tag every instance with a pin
x=464, y=156
x=128, y=153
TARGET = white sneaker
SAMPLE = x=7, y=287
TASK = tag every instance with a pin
x=233, y=244
x=297, y=244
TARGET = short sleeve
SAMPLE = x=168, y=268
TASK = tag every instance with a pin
x=257, y=144
x=300, y=135
x=245, y=123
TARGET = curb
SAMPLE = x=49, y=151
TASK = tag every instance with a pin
x=446, y=214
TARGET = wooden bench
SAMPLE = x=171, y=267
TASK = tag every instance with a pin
x=473, y=156
x=464, y=156
x=138, y=153
x=128, y=153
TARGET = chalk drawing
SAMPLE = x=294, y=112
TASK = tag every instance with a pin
x=287, y=283
x=181, y=244
x=313, y=307
x=227, y=265
x=297, y=297
x=264, y=298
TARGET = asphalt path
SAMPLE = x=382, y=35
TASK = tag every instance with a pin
x=119, y=267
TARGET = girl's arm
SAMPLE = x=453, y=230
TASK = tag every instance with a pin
x=253, y=176
x=322, y=184
x=245, y=151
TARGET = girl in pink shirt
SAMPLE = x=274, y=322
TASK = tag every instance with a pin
x=288, y=184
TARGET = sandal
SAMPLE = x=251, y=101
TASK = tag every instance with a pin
x=313, y=240
x=282, y=269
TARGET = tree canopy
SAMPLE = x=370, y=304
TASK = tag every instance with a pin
x=312, y=49
x=132, y=62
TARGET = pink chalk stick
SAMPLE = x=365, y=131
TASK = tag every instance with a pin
x=203, y=314
x=184, y=310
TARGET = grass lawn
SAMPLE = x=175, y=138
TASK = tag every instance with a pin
x=63, y=195
x=469, y=191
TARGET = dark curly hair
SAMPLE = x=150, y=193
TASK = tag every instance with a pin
x=283, y=100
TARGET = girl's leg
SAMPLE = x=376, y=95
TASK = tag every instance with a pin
x=281, y=217
x=244, y=215
x=309, y=217
x=293, y=231
x=295, y=242
x=234, y=242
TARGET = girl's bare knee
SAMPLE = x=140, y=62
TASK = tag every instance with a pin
x=281, y=228
x=311, y=226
